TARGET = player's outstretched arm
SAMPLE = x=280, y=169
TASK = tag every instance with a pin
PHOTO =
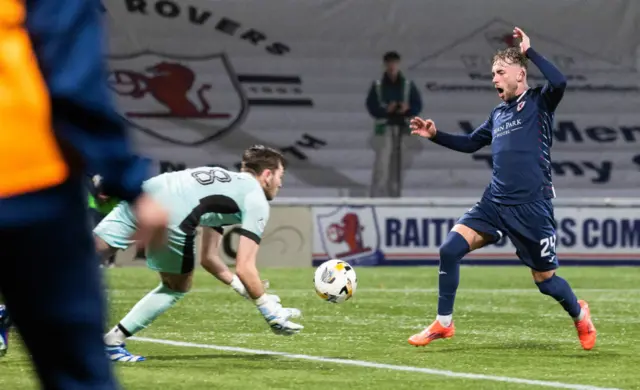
x=470, y=143
x=212, y=262
x=246, y=267
x=210, y=255
x=276, y=316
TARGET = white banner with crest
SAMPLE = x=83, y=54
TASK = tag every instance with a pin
x=200, y=80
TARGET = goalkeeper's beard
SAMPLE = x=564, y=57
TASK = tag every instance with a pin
x=268, y=189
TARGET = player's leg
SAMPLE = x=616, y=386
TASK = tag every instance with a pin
x=477, y=228
x=107, y=255
x=175, y=265
x=171, y=290
x=56, y=300
x=114, y=231
x=532, y=229
x=461, y=240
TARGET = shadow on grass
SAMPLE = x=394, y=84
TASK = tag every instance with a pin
x=152, y=358
x=538, y=347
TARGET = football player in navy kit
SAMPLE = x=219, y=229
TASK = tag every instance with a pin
x=517, y=202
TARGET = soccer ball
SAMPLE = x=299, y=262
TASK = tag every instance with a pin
x=335, y=281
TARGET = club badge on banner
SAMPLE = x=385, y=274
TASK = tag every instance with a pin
x=201, y=80
x=388, y=235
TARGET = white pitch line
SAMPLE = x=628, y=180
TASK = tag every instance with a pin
x=532, y=290
x=362, y=363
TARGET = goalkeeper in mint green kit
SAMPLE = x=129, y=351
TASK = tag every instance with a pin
x=207, y=196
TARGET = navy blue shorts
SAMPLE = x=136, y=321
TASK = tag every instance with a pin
x=531, y=227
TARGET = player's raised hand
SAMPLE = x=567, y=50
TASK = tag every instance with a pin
x=423, y=127
x=525, y=42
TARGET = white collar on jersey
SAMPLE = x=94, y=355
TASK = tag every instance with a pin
x=523, y=93
x=508, y=104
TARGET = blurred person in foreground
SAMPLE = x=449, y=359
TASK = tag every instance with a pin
x=58, y=121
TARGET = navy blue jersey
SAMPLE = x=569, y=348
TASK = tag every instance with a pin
x=520, y=134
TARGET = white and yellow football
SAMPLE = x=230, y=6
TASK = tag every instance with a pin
x=335, y=281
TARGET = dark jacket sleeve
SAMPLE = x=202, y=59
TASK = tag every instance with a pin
x=69, y=42
x=374, y=105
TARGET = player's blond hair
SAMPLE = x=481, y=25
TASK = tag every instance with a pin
x=511, y=55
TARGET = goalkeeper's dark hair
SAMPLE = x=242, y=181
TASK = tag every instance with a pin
x=511, y=55
x=258, y=158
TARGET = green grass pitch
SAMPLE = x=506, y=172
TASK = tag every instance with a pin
x=505, y=328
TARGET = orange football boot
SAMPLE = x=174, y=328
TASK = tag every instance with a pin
x=586, y=331
x=433, y=332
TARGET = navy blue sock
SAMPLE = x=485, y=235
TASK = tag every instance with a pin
x=451, y=252
x=560, y=290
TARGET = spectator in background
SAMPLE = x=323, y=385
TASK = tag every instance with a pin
x=391, y=101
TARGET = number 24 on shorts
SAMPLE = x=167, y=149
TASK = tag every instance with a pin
x=548, y=244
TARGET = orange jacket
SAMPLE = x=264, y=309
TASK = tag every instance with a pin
x=30, y=158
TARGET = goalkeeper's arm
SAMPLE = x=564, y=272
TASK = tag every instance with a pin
x=211, y=261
